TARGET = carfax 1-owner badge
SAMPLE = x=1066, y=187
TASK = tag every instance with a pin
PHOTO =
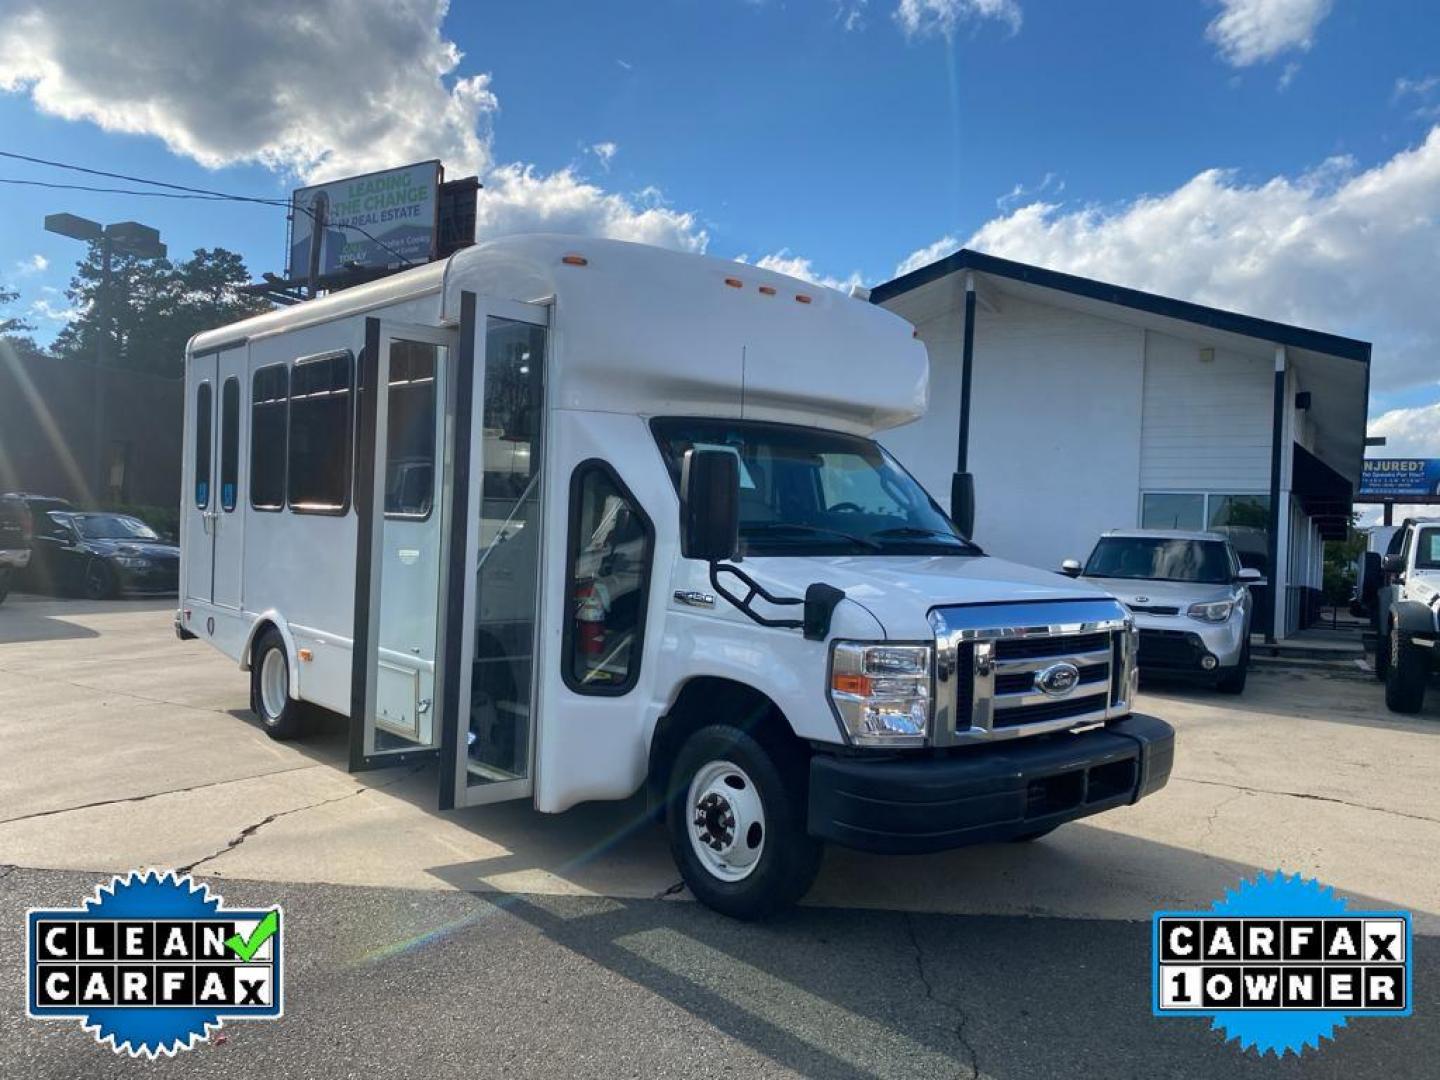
x=1281, y=963
x=153, y=962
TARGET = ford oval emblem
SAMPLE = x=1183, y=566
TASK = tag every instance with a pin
x=1057, y=680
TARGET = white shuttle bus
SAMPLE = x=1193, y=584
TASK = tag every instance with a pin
x=578, y=517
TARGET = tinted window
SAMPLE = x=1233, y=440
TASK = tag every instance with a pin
x=112, y=527
x=1427, y=550
x=318, y=470
x=229, y=442
x=803, y=490
x=410, y=436
x=1159, y=511
x=203, y=439
x=1157, y=559
x=609, y=576
x=269, y=404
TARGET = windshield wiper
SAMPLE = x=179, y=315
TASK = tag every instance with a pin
x=794, y=526
x=911, y=530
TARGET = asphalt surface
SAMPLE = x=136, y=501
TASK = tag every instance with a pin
x=399, y=983
x=501, y=942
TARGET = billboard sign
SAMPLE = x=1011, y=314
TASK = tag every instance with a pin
x=1404, y=480
x=380, y=220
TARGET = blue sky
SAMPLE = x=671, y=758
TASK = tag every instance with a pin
x=1269, y=156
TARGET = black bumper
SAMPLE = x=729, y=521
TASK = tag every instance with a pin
x=1172, y=652
x=918, y=804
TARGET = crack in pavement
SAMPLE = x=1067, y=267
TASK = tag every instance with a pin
x=1307, y=795
x=250, y=830
x=158, y=794
x=671, y=890
x=1215, y=813
x=963, y=1019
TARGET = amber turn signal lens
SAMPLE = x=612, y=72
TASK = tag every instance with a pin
x=858, y=685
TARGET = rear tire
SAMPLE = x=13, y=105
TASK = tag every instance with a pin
x=736, y=818
x=283, y=716
x=1409, y=669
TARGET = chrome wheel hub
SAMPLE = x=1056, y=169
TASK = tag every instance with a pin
x=727, y=820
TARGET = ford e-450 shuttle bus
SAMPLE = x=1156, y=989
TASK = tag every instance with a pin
x=578, y=517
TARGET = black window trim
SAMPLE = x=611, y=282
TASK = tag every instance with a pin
x=224, y=434
x=284, y=458
x=572, y=547
x=349, y=486
x=208, y=388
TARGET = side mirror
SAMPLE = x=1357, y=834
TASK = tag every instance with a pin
x=1393, y=564
x=962, y=503
x=709, y=504
x=1250, y=576
x=1071, y=568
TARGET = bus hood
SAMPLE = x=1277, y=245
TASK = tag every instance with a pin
x=900, y=590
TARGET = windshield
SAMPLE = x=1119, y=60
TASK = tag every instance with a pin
x=1155, y=559
x=112, y=527
x=806, y=491
x=1427, y=550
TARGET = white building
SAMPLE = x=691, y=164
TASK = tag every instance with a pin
x=1080, y=406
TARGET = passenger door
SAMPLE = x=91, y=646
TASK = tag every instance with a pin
x=493, y=609
x=228, y=518
x=199, y=500
x=402, y=503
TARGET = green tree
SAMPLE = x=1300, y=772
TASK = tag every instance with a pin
x=15, y=324
x=156, y=306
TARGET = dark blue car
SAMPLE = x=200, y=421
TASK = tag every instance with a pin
x=101, y=555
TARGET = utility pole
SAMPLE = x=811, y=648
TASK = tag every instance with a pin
x=119, y=238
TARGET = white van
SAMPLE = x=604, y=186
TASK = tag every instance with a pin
x=617, y=521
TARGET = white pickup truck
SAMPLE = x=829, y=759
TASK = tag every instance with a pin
x=1408, y=614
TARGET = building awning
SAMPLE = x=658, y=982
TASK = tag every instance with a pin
x=1324, y=494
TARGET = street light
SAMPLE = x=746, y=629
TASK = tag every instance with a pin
x=118, y=238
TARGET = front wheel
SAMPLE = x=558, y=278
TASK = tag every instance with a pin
x=736, y=818
x=1405, y=680
x=1233, y=681
x=1382, y=656
x=99, y=581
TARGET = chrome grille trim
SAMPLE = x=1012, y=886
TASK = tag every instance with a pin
x=991, y=716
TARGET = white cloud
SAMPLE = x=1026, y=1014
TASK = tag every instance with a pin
x=604, y=153
x=1337, y=248
x=1408, y=432
x=53, y=312
x=519, y=199
x=322, y=89
x=329, y=88
x=33, y=265
x=786, y=262
x=1249, y=31
x=1420, y=88
x=922, y=18
x=850, y=14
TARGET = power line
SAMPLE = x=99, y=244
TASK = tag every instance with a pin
x=110, y=190
x=204, y=194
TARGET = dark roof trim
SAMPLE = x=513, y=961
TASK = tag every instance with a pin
x=1280, y=333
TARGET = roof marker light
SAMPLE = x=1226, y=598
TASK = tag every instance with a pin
x=767, y=290
x=734, y=282
x=575, y=260
x=801, y=298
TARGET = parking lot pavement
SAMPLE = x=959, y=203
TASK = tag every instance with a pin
x=497, y=939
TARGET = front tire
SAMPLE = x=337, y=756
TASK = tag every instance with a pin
x=99, y=581
x=736, y=818
x=283, y=716
x=1233, y=681
x=1405, y=678
x=1382, y=656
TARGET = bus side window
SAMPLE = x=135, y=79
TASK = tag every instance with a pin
x=608, y=582
x=269, y=423
x=229, y=443
x=204, y=439
x=320, y=435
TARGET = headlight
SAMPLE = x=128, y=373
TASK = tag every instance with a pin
x=1218, y=611
x=132, y=562
x=882, y=693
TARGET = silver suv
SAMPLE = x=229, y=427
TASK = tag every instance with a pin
x=1189, y=596
x=1408, y=614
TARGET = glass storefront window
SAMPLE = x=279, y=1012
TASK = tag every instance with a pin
x=1159, y=511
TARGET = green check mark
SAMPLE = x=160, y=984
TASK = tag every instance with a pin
x=245, y=948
